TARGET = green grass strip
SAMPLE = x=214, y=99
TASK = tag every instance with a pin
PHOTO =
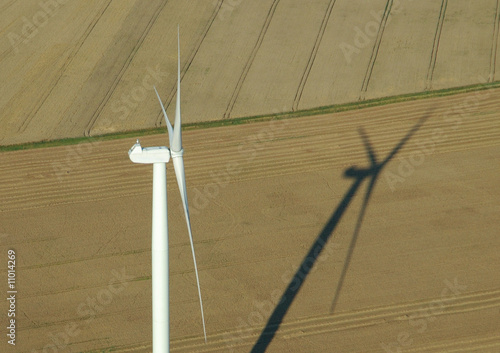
x=245, y=120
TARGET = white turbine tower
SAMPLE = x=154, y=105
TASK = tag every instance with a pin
x=159, y=156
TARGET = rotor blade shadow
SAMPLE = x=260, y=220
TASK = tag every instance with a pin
x=374, y=171
x=353, y=243
x=293, y=288
x=300, y=275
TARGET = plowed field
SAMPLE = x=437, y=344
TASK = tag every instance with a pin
x=411, y=265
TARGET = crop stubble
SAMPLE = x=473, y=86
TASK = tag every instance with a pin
x=439, y=224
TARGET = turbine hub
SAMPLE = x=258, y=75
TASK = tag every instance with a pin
x=175, y=154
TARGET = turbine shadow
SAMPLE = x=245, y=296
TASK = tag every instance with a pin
x=293, y=288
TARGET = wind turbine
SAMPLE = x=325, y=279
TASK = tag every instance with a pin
x=159, y=157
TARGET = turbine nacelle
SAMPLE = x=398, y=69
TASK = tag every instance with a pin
x=149, y=155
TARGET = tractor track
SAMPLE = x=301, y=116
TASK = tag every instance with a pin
x=42, y=171
x=346, y=321
x=312, y=56
x=435, y=46
x=251, y=58
x=62, y=70
x=331, y=137
x=95, y=190
x=319, y=140
x=133, y=52
x=494, y=44
x=375, y=50
x=11, y=48
x=7, y=5
x=187, y=64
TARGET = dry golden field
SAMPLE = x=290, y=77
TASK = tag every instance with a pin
x=75, y=68
x=301, y=245
x=420, y=275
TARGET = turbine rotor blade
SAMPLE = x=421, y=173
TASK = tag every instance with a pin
x=176, y=151
x=169, y=126
x=181, y=182
x=177, y=139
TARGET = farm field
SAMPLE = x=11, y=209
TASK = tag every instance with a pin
x=302, y=244
x=414, y=267
x=86, y=68
x=473, y=52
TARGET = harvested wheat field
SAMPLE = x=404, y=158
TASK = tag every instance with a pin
x=366, y=230
x=296, y=251
x=87, y=68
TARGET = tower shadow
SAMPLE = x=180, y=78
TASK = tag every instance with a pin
x=293, y=288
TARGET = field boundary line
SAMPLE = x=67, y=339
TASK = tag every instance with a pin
x=312, y=57
x=328, y=109
x=435, y=46
x=84, y=190
x=251, y=58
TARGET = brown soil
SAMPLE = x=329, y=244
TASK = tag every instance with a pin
x=422, y=274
